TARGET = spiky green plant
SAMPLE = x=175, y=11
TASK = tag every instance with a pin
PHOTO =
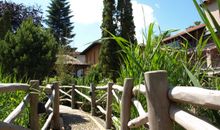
x=183, y=68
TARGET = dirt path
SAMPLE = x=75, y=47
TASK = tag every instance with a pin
x=75, y=119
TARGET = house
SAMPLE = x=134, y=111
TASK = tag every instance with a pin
x=212, y=6
x=210, y=52
x=190, y=34
x=91, y=53
x=73, y=65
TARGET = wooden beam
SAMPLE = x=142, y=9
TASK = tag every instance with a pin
x=73, y=94
x=11, y=87
x=101, y=87
x=34, y=99
x=56, y=107
x=118, y=88
x=65, y=87
x=189, y=121
x=101, y=98
x=157, y=100
x=138, y=106
x=78, y=86
x=12, y=116
x=108, y=117
x=116, y=97
x=195, y=95
x=50, y=100
x=83, y=95
x=102, y=110
x=126, y=103
x=139, y=121
x=61, y=91
x=139, y=89
x=93, y=99
x=47, y=123
x=66, y=99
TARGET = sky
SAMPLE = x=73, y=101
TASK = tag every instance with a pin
x=168, y=14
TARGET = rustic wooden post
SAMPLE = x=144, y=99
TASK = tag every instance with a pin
x=56, y=105
x=157, y=100
x=93, y=104
x=34, y=99
x=109, y=107
x=126, y=103
x=73, y=97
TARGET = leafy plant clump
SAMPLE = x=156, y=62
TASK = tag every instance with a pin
x=30, y=52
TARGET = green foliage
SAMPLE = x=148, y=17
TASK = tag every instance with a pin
x=126, y=28
x=205, y=17
x=17, y=13
x=182, y=68
x=10, y=100
x=30, y=52
x=5, y=25
x=59, y=21
x=64, y=72
x=109, y=58
x=93, y=75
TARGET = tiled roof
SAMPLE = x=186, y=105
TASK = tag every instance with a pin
x=188, y=30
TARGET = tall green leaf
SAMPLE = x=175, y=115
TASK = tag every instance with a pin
x=194, y=80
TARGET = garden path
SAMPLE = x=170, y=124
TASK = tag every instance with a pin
x=75, y=119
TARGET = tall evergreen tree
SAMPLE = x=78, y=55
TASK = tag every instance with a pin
x=59, y=21
x=126, y=27
x=109, y=61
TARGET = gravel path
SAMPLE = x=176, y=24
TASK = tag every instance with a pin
x=75, y=119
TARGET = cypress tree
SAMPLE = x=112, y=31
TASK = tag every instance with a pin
x=59, y=21
x=109, y=60
x=126, y=27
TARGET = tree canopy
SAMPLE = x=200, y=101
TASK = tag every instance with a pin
x=59, y=21
x=17, y=13
x=30, y=52
x=124, y=15
x=109, y=60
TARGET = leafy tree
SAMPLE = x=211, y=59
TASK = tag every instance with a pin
x=6, y=21
x=18, y=13
x=125, y=18
x=59, y=21
x=109, y=60
x=31, y=51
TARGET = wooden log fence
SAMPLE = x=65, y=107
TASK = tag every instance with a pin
x=33, y=90
x=161, y=109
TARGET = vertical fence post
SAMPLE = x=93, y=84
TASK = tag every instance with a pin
x=126, y=103
x=157, y=100
x=34, y=99
x=73, y=97
x=109, y=107
x=93, y=104
x=56, y=111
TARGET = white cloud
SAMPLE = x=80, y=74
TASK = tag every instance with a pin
x=143, y=16
x=90, y=11
x=87, y=11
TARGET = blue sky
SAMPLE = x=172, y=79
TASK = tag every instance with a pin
x=168, y=14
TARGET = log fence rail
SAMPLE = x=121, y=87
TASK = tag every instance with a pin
x=161, y=103
x=33, y=90
x=161, y=112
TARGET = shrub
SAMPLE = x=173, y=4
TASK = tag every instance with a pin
x=30, y=52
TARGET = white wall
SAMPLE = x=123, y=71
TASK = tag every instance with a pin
x=213, y=7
